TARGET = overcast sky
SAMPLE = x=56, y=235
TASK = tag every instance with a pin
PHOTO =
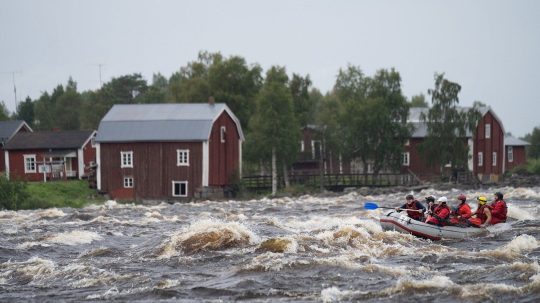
x=491, y=48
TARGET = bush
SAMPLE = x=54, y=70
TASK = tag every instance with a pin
x=533, y=167
x=13, y=194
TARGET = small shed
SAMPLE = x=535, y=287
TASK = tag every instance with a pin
x=167, y=151
x=50, y=155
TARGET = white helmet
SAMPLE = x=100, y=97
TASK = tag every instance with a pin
x=442, y=200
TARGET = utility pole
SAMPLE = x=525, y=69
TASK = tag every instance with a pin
x=14, y=88
x=100, y=82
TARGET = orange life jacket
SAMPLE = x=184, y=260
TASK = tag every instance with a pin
x=440, y=216
x=413, y=214
x=464, y=210
x=498, y=211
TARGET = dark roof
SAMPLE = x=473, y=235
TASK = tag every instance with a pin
x=72, y=139
x=161, y=122
x=8, y=128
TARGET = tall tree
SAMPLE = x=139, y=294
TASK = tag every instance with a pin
x=25, y=111
x=4, y=112
x=275, y=128
x=303, y=105
x=533, y=150
x=447, y=126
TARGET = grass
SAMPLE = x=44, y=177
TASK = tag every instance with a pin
x=73, y=193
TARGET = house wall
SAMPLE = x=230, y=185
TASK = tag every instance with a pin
x=520, y=157
x=154, y=169
x=2, y=156
x=89, y=155
x=488, y=170
x=224, y=156
x=16, y=165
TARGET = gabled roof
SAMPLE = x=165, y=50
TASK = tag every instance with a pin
x=512, y=141
x=10, y=128
x=73, y=139
x=162, y=122
x=420, y=127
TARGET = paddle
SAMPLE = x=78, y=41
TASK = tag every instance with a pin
x=372, y=206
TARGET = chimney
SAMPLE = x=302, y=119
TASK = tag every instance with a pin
x=211, y=100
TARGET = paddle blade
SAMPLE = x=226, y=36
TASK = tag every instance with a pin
x=370, y=205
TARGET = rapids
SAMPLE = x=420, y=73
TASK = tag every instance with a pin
x=305, y=249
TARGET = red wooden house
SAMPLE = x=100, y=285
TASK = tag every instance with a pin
x=167, y=151
x=8, y=129
x=488, y=148
x=50, y=155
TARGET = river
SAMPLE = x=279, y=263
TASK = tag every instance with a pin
x=305, y=249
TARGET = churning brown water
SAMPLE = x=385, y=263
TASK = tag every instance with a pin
x=303, y=249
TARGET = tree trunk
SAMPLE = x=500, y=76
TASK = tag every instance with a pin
x=274, y=172
x=286, y=176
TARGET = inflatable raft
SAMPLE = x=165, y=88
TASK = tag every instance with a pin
x=394, y=220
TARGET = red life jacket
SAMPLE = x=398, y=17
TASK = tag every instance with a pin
x=498, y=212
x=464, y=210
x=413, y=214
x=440, y=216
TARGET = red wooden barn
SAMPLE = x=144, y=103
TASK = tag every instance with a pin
x=167, y=151
x=8, y=129
x=48, y=155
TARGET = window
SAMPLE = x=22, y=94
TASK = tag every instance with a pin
x=179, y=188
x=222, y=134
x=302, y=146
x=494, y=159
x=126, y=159
x=93, y=142
x=405, y=159
x=480, y=158
x=488, y=131
x=29, y=164
x=510, y=154
x=407, y=142
x=182, y=157
x=316, y=149
x=128, y=182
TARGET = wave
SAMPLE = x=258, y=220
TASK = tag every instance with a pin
x=208, y=235
x=279, y=245
x=513, y=249
x=75, y=237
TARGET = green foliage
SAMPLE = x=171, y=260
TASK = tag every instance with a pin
x=303, y=105
x=447, y=126
x=533, y=150
x=419, y=101
x=25, y=111
x=13, y=194
x=4, y=112
x=533, y=167
x=372, y=122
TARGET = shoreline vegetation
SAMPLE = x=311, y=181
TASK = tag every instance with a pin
x=19, y=195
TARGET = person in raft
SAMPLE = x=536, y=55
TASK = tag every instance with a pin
x=498, y=209
x=482, y=215
x=441, y=213
x=414, y=208
x=431, y=205
x=462, y=212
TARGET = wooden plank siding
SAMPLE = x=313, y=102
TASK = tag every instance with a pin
x=495, y=143
x=519, y=154
x=154, y=169
x=224, y=157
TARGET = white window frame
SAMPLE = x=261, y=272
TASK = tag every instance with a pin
x=494, y=159
x=222, y=133
x=407, y=142
x=26, y=162
x=128, y=182
x=488, y=131
x=406, y=159
x=480, y=159
x=510, y=154
x=180, y=182
x=128, y=157
x=302, y=146
x=182, y=157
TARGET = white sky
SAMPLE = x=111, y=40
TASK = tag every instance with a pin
x=491, y=48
